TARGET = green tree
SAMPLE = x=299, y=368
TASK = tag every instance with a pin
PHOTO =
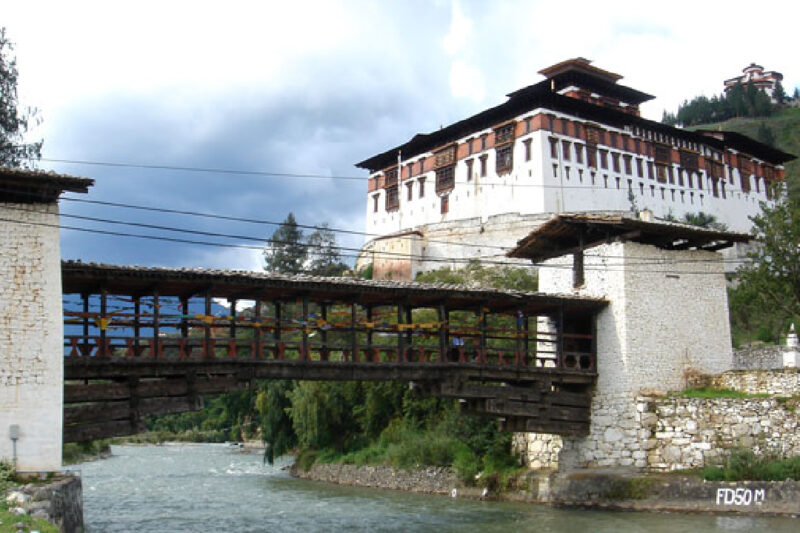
x=703, y=220
x=324, y=256
x=773, y=275
x=779, y=95
x=14, y=122
x=273, y=404
x=286, y=252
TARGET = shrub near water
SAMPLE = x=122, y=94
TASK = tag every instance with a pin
x=744, y=465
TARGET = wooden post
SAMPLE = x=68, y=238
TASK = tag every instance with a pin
x=526, y=340
x=184, y=314
x=409, y=331
x=257, y=353
x=137, y=324
x=442, y=315
x=233, y=348
x=86, y=347
x=482, y=329
x=518, y=319
x=156, y=329
x=101, y=348
x=369, y=330
x=401, y=341
x=209, y=350
x=354, y=330
x=323, y=332
x=560, y=340
x=304, y=355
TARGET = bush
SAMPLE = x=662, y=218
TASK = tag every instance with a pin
x=744, y=465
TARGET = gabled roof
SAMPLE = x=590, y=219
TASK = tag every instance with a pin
x=572, y=232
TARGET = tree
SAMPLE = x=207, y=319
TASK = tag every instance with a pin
x=286, y=252
x=14, y=122
x=324, y=256
x=773, y=275
x=703, y=220
x=779, y=95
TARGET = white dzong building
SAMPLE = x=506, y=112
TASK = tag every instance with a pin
x=574, y=142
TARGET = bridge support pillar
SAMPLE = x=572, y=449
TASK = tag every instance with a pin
x=31, y=324
x=667, y=318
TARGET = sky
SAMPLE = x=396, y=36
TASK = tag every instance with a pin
x=312, y=87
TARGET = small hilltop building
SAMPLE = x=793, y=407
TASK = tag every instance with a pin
x=753, y=74
x=573, y=142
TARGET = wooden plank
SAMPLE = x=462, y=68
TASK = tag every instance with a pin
x=100, y=430
x=94, y=392
x=164, y=406
x=96, y=412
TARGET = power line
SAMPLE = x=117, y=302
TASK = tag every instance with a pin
x=358, y=251
x=408, y=256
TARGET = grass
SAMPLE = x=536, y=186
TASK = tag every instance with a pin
x=744, y=465
x=711, y=393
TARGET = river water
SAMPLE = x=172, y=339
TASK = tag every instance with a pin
x=211, y=487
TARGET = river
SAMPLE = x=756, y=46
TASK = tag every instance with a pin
x=211, y=487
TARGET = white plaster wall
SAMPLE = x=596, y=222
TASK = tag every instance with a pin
x=532, y=188
x=31, y=336
x=667, y=315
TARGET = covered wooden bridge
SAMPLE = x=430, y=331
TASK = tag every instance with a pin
x=144, y=341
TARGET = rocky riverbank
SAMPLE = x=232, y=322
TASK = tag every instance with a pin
x=59, y=501
x=617, y=489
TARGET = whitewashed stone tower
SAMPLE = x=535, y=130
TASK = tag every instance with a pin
x=31, y=325
x=667, y=317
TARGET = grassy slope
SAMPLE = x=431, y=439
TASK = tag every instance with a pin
x=785, y=124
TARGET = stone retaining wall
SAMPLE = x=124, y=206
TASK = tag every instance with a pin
x=431, y=480
x=60, y=502
x=759, y=358
x=693, y=432
x=777, y=382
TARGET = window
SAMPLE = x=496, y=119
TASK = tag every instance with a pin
x=591, y=156
x=639, y=169
x=555, y=170
x=375, y=198
x=483, y=159
x=603, y=158
x=469, y=146
x=392, y=199
x=421, y=187
x=553, y=147
x=469, y=169
x=445, y=178
x=565, y=150
x=504, y=158
x=528, y=125
x=661, y=173
x=579, y=153
x=527, y=144
x=484, y=140
x=409, y=190
x=615, y=161
x=391, y=177
x=504, y=134
x=444, y=204
x=650, y=173
x=612, y=139
x=628, y=166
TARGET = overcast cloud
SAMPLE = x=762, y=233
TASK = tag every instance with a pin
x=314, y=87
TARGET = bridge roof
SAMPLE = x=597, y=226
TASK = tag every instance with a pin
x=79, y=277
x=25, y=185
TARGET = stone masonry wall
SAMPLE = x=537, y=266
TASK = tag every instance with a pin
x=776, y=382
x=759, y=358
x=31, y=335
x=662, y=324
x=694, y=432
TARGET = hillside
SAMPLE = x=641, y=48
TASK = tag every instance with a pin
x=785, y=126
